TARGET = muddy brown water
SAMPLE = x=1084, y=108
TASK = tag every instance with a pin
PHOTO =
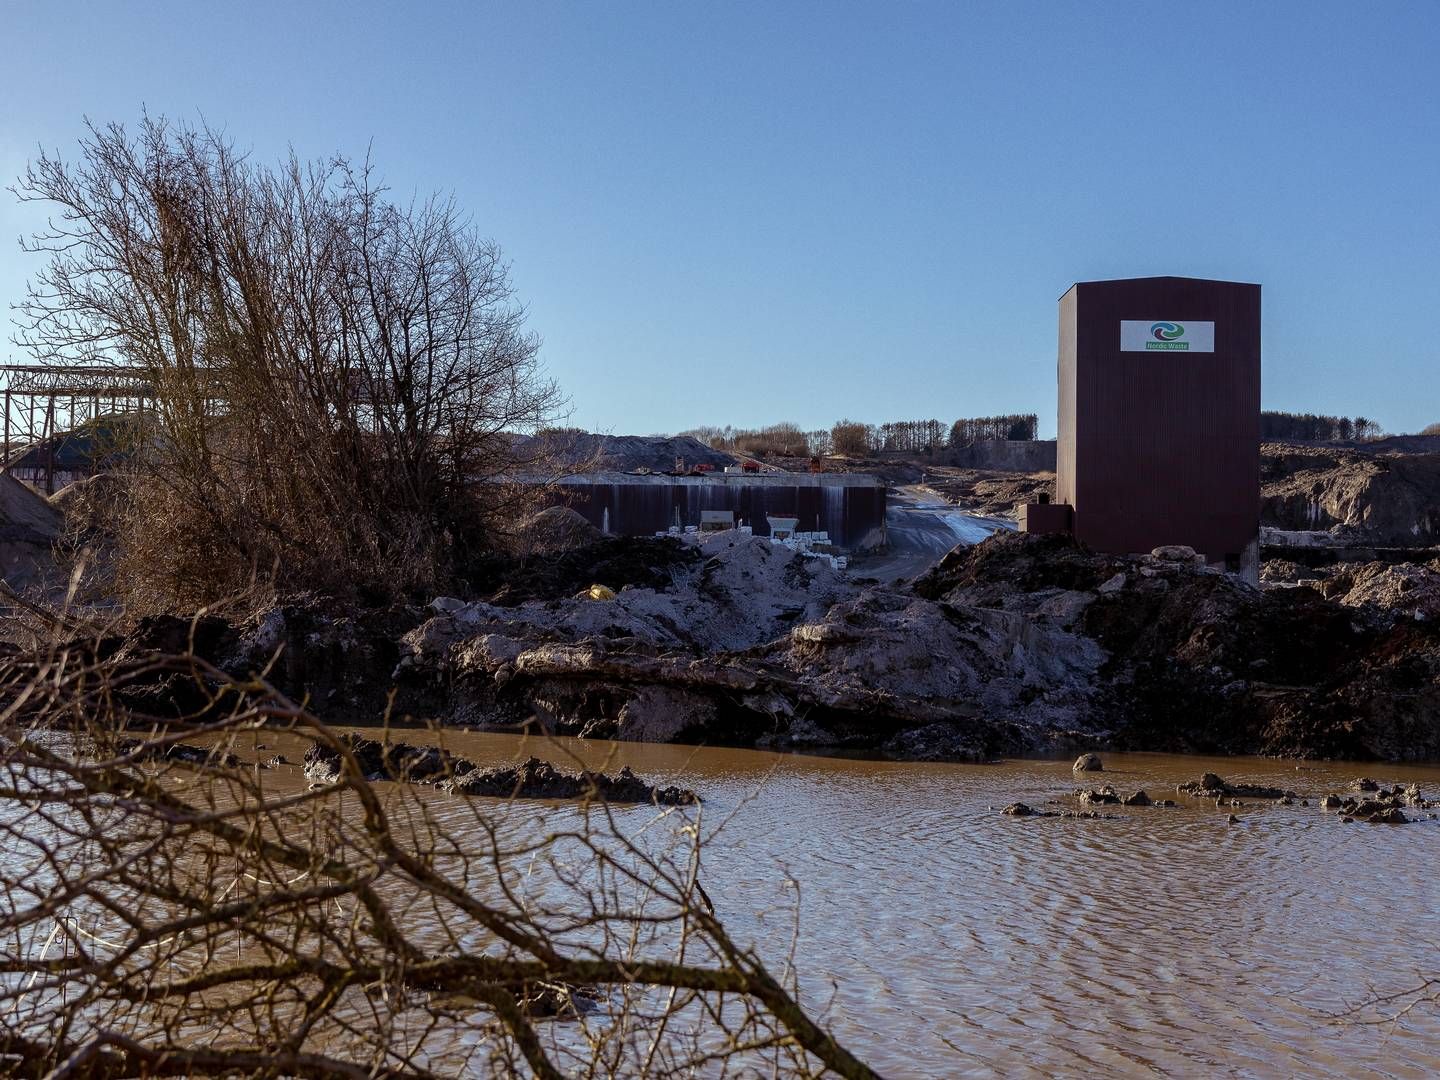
x=950, y=940
x=1167, y=942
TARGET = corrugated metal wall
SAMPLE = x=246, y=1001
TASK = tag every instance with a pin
x=1160, y=447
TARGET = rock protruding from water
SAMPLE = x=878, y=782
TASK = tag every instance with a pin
x=1020, y=809
x=536, y=779
x=1383, y=806
x=531, y=779
x=1210, y=786
x=1088, y=763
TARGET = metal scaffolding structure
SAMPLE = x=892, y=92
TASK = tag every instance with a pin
x=43, y=402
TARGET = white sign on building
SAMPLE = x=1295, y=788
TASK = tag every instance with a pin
x=1166, y=335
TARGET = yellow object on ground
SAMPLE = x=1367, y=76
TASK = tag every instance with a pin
x=600, y=592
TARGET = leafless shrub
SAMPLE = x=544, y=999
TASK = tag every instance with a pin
x=336, y=378
x=216, y=917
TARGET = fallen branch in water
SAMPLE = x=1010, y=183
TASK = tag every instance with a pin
x=164, y=916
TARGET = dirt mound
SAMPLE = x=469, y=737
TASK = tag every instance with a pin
x=1404, y=588
x=582, y=451
x=29, y=527
x=994, y=494
x=1200, y=662
x=555, y=529
x=615, y=562
x=1011, y=567
x=1020, y=644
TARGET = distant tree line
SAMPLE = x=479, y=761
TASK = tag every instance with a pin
x=1020, y=427
x=1308, y=427
x=852, y=438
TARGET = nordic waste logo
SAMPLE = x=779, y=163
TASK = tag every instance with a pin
x=1167, y=335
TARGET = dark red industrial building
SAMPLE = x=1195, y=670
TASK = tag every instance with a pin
x=1159, y=419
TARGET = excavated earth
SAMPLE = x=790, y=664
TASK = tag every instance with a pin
x=1021, y=644
x=1387, y=493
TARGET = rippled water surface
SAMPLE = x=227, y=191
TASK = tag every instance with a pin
x=956, y=941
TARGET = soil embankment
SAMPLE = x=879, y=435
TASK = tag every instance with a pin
x=29, y=527
x=1022, y=644
x=1359, y=495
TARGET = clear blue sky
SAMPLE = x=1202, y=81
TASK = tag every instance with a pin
x=749, y=213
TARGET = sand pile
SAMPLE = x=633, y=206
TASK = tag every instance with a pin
x=556, y=528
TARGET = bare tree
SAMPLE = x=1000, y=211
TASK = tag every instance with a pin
x=849, y=438
x=177, y=908
x=336, y=377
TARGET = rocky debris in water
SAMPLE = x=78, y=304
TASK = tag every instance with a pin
x=274, y=762
x=531, y=779
x=1233, y=820
x=1364, y=783
x=1384, y=806
x=1373, y=811
x=536, y=779
x=1104, y=796
x=538, y=999
x=185, y=753
x=382, y=761
x=1210, y=786
x=557, y=1001
x=1088, y=763
x=1022, y=810
x=1138, y=799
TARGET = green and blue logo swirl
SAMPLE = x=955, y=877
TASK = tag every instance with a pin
x=1167, y=331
